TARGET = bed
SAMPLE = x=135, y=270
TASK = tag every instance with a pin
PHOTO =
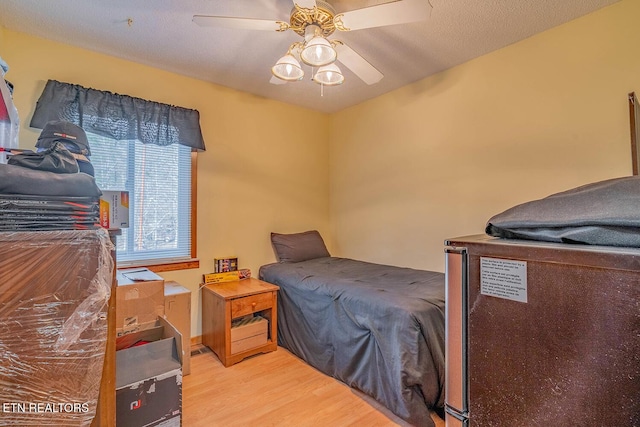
x=377, y=328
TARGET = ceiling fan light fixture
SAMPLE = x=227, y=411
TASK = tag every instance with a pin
x=318, y=52
x=329, y=75
x=288, y=68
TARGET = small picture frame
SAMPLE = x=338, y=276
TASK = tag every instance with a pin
x=634, y=120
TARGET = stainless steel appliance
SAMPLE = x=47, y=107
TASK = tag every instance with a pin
x=541, y=334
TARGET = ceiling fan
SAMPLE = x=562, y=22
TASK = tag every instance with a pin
x=315, y=21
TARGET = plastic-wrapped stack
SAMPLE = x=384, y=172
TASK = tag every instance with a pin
x=54, y=295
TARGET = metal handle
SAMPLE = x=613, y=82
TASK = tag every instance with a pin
x=456, y=316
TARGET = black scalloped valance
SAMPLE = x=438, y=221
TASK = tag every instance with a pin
x=120, y=117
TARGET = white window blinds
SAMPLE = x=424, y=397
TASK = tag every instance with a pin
x=158, y=179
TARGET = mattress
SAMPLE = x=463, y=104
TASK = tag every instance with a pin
x=377, y=328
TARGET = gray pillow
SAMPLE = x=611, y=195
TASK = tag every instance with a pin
x=298, y=247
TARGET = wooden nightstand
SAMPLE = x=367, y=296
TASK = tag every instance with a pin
x=224, y=302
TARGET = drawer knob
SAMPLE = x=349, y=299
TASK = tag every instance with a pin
x=253, y=304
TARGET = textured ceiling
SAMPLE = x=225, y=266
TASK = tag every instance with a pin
x=160, y=33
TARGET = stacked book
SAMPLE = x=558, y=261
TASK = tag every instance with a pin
x=19, y=212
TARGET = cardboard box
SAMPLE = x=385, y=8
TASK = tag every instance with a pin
x=247, y=333
x=139, y=299
x=177, y=310
x=149, y=377
x=230, y=276
x=114, y=209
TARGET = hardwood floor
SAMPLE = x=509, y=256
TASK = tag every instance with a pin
x=275, y=389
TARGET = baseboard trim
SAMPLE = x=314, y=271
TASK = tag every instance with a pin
x=195, y=341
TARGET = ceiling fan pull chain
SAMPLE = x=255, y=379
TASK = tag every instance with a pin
x=321, y=89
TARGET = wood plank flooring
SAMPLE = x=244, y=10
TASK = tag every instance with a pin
x=275, y=389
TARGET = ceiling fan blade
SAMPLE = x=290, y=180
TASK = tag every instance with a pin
x=356, y=63
x=308, y=4
x=397, y=12
x=241, y=23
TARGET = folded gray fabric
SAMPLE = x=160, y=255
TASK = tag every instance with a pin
x=56, y=158
x=21, y=180
x=602, y=213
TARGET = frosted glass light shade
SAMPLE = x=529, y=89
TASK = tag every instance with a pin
x=329, y=75
x=318, y=52
x=288, y=68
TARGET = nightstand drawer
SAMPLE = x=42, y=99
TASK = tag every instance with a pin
x=251, y=304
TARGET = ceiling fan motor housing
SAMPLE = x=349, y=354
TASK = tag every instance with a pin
x=321, y=16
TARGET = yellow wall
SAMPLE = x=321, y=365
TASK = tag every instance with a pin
x=256, y=176
x=438, y=158
x=390, y=179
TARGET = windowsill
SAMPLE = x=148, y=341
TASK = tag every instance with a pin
x=164, y=266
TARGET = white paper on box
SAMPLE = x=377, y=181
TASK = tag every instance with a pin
x=503, y=278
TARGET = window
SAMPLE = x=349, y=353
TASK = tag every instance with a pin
x=144, y=147
x=158, y=179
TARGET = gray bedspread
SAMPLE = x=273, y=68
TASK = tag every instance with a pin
x=376, y=328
